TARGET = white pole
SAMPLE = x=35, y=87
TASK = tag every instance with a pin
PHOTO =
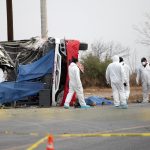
x=44, y=29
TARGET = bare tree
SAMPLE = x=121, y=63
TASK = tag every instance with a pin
x=98, y=48
x=144, y=31
x=107, y=50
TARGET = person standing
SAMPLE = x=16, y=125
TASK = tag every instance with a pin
x=2, y=74
x=127, y=73
x=2, y=77
x=75, y=85
x=143, y=75
x=115, y=76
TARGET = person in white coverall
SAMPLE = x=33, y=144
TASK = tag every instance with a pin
x=143, y=75
x=2, y=77
x=115, y=76
x=127, y=73
x=75, y=85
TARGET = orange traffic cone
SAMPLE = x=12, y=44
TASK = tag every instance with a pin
x=50, y=143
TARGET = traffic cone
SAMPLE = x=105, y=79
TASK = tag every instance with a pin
x=50, y=143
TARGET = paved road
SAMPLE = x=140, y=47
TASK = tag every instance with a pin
x=21, y=129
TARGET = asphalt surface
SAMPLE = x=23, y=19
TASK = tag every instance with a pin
x=95, y=128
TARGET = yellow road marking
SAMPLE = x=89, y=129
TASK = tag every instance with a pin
x=35, y=145
x=105, y=134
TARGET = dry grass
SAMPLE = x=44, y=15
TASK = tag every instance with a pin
x=135, y=93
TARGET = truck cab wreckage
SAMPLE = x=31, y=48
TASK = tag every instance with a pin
x=37, y=71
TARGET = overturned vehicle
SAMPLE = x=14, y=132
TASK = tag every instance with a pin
x=36, y=71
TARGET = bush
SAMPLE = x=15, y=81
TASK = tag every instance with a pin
x=95, y=69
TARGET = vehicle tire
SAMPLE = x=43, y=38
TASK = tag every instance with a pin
x=83, y=46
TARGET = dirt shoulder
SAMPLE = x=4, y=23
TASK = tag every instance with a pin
x=135, y=93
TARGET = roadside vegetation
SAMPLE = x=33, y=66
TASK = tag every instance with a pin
x=96, y=62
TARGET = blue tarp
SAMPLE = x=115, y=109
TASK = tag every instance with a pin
x=98, y=100
x=11, y=91
x=36, y=69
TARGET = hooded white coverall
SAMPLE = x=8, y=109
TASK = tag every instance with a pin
x=2, y=75
x=143, y=74
x=127, y=73
x=75, y=85
x=116, y=77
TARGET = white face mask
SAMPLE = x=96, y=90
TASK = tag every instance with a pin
x=143, y=63
x=122, y=63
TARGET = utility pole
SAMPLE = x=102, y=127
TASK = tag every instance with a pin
x=9, y=20
x=44, y=29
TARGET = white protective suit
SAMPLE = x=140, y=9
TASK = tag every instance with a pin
x=75, y=85
x=115, y=76
x=143, y=74
x=2, y=75
x=127, y=73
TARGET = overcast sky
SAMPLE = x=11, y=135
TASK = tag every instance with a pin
x=86, y=20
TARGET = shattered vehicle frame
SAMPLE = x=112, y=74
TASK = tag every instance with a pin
x=23, y=52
